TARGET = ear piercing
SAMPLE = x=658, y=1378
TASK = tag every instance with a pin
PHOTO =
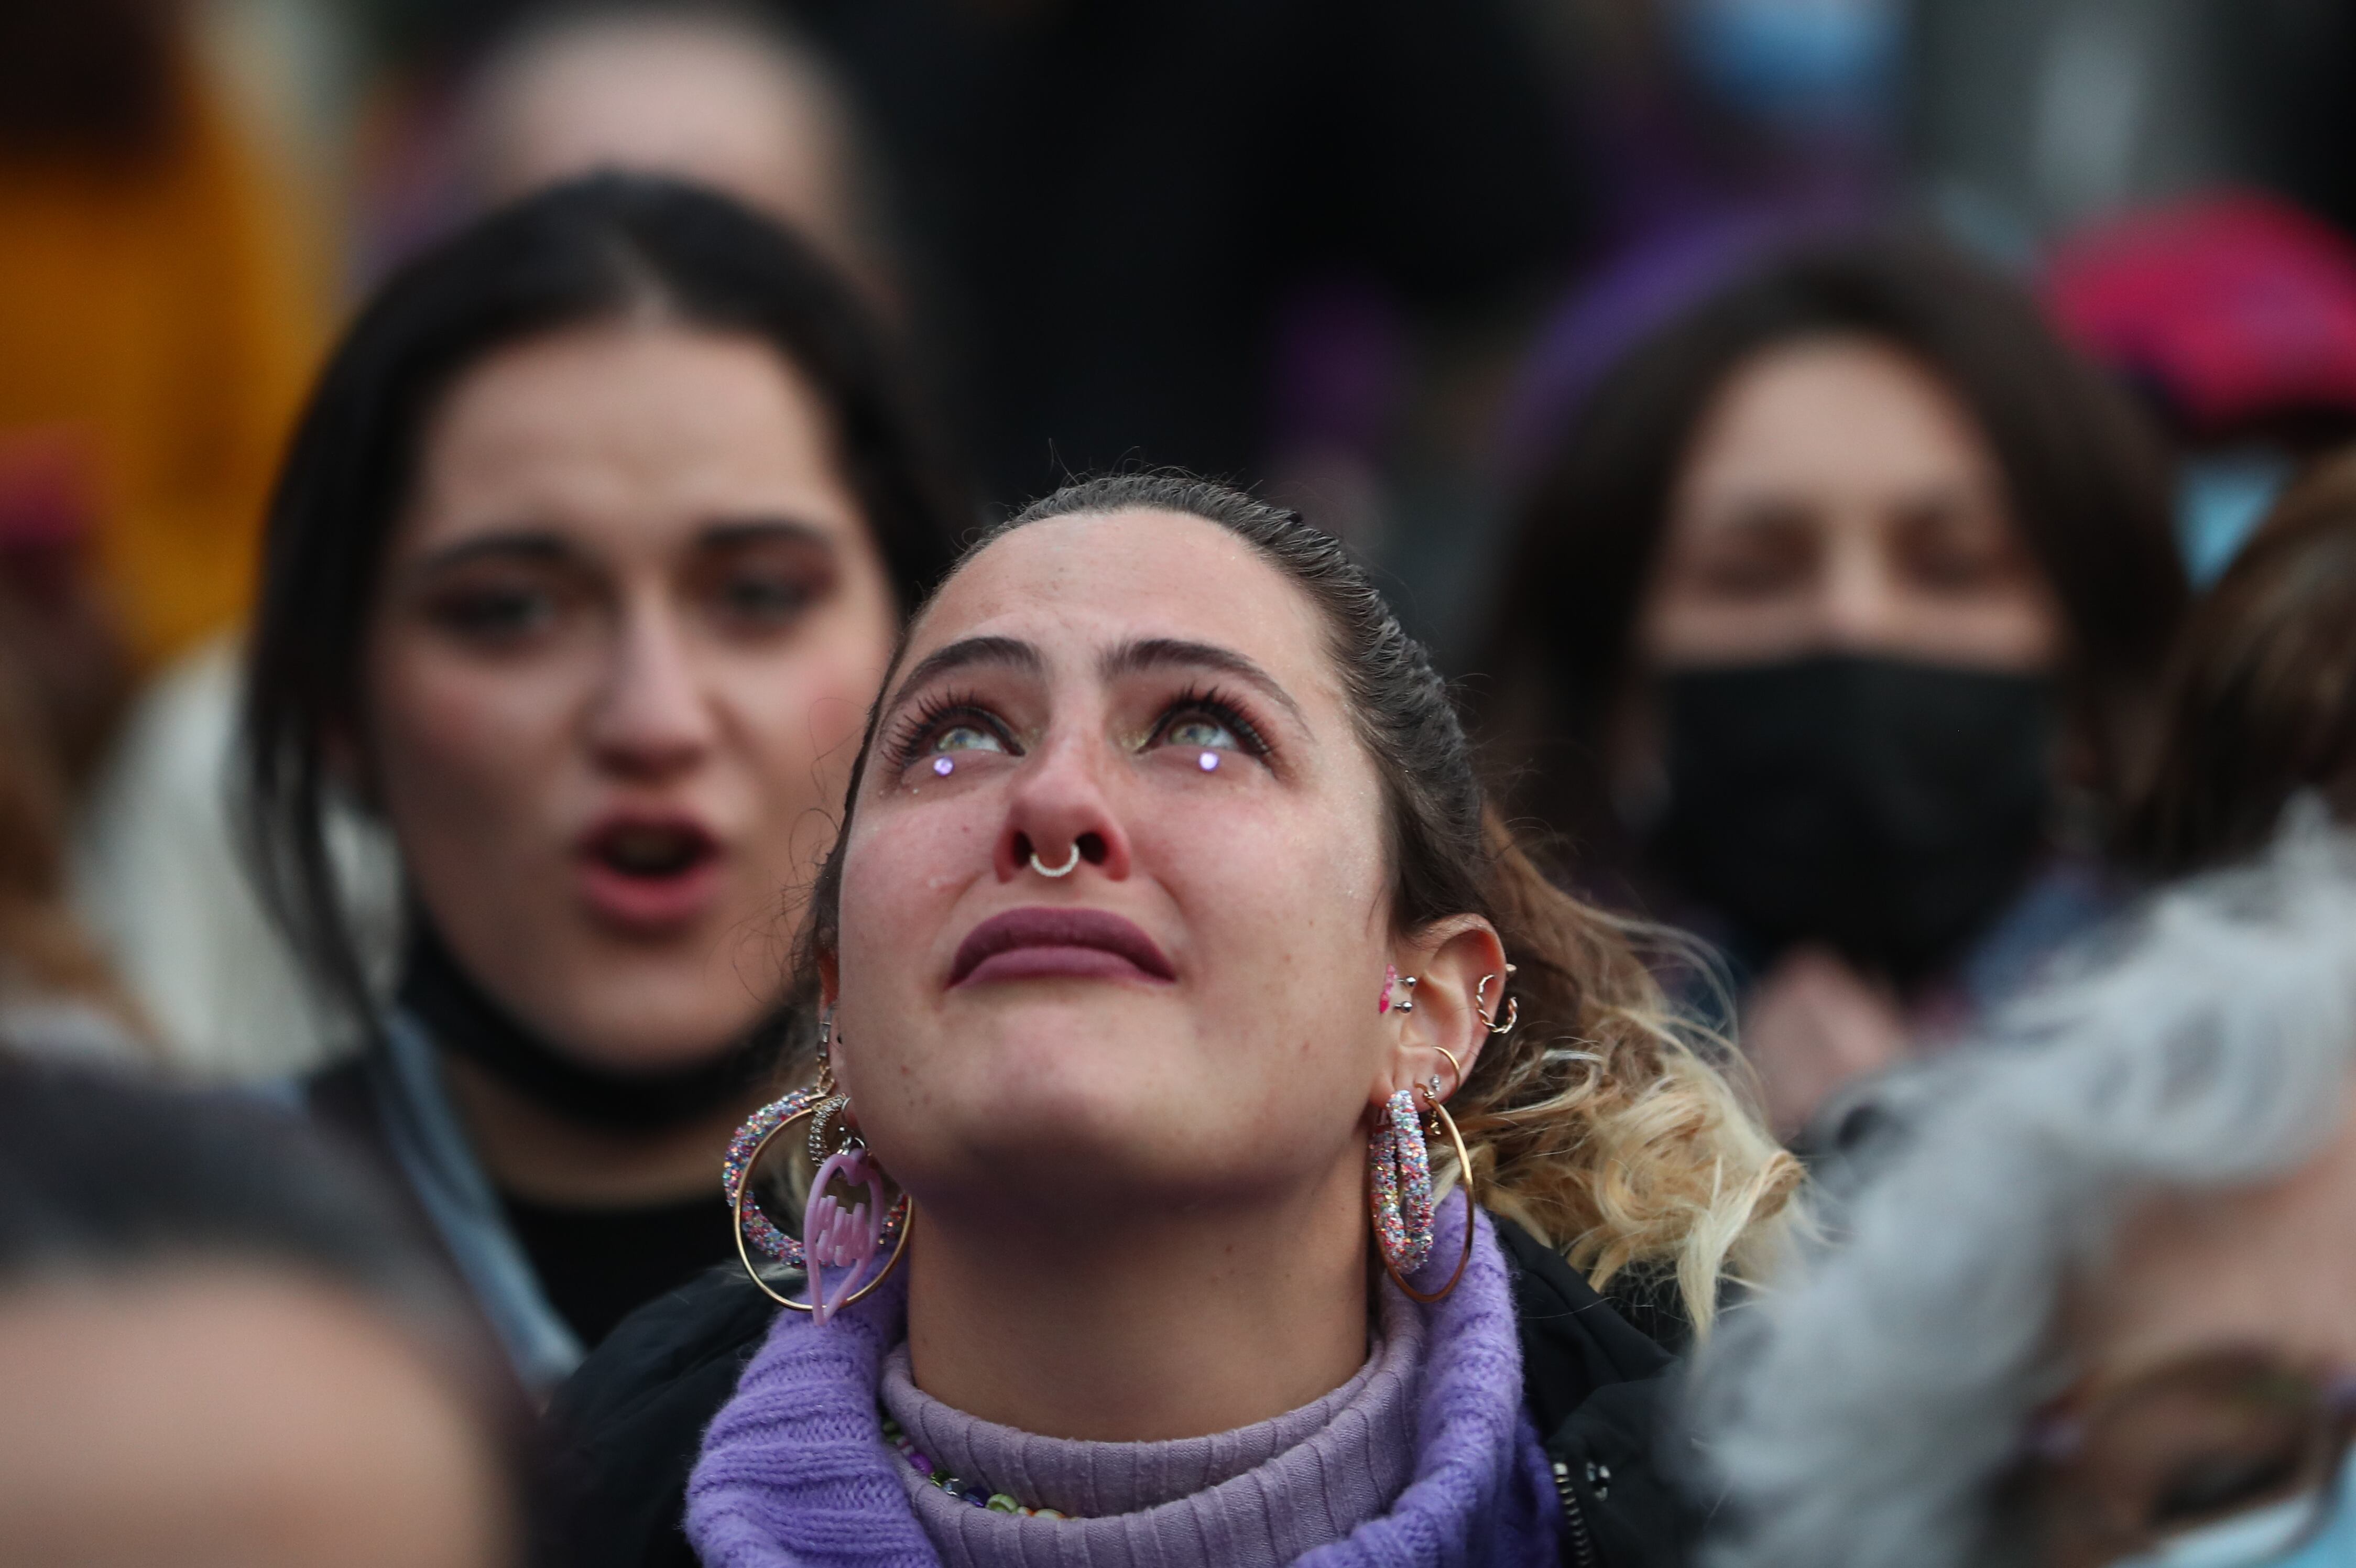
x=1399, y=1187
x=1453, y=1066
x=1393, y=981
x=1487, y=1011
x=1071, y=862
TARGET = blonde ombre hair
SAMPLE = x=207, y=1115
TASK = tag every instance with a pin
x=1606, y=1123
x=1601, y=1122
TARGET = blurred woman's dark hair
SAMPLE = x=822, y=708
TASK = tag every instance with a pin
x=101, y=1174
x=109, y=1180
x=2260, y=699
x=607, y=247
x=2087, y=479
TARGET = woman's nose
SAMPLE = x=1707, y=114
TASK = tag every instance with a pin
x=653, y=715
x=1858, y=604
x=1061, y=817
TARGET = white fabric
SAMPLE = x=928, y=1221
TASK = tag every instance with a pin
x=159, y=881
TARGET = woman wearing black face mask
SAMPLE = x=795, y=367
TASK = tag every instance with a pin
x=587, y=560
x=1829, y=632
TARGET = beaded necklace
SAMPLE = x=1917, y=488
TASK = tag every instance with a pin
x=963, y=1490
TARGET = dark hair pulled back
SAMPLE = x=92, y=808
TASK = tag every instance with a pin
x=606, y=247
x=1595, y=1123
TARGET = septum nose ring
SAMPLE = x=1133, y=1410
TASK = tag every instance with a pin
x=1071, y=862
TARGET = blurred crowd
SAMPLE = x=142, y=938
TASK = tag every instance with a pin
x=1880, y=475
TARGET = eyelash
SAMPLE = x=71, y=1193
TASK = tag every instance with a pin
x=909, y=734
x=1203, y=700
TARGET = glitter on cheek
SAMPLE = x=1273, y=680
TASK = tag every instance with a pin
x=944, y=766
x=1210, y=761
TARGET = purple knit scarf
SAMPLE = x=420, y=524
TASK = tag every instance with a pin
x=795, y=1472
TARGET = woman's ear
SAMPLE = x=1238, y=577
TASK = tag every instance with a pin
x=1461, y=974
x=830, y=978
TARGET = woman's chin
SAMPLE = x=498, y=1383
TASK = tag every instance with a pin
x=646, y=1017
x=1066, y=1030
x=1071, y=1153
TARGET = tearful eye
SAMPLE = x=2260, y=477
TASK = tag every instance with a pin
x=1201, y=731
x=966, y=737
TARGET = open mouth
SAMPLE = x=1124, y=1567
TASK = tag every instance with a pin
x=652, y=851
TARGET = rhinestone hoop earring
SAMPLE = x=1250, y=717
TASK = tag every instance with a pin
x=1071, y=862
x=1463, y=1176
x=1399, y=1187
x=833, y=1236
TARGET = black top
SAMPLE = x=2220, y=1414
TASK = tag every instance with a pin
x=625, y=1430
x=594, y=1264
x=599, y=1265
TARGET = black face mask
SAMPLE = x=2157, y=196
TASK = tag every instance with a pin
x=1887, y=808
x=466, y=1021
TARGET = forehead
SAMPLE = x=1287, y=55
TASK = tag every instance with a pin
x=1848, y=407
x=2262, y=1265
x=1094, y=580
x=621, y=420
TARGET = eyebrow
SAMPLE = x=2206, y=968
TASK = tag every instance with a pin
x=547, y=546
x=1128, y=659
x=761, y=530
x=529, y=544
x=965, y=654
x=1172, y=652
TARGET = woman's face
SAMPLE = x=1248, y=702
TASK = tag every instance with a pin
x=1189, y=1016
x=218, y=1415
x=2196, y=1287
x=2261, y=1265
x=1837, y=498
x=628, y=621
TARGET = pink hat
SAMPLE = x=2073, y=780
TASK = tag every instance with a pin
x=2234, y=307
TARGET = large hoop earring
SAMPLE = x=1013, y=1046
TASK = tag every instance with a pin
x=1463, y=1176
x=1398, y=1188
x=821, y=1213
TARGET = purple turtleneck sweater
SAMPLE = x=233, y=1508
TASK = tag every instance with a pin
x=1424, y=1458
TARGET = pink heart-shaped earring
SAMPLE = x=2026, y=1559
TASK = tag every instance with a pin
x=837, y=1238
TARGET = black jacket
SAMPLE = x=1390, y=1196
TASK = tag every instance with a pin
x=625, y=1430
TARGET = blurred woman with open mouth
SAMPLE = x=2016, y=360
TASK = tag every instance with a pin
x=1238, y=1130
x=585, y=564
